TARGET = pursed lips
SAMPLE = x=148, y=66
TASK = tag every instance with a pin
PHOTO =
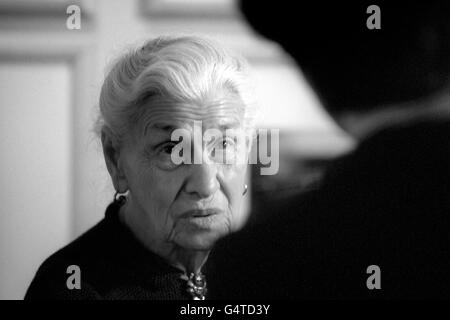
x=200, y=213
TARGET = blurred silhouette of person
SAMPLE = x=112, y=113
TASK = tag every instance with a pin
x=387, y=203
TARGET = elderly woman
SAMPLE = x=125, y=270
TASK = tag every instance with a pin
x=166, y=214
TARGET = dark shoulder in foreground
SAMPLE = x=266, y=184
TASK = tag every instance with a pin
x=250, y=263
x=385, y=204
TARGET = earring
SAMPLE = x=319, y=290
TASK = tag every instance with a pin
x=120, y=198
x=245, y=189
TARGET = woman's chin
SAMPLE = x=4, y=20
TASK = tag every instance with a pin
x=199, y=240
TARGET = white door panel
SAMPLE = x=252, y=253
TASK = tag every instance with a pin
x=35, y=169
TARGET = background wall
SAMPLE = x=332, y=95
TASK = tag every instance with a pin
x=53, y=181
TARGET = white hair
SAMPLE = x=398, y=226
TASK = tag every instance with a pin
x=182, y=69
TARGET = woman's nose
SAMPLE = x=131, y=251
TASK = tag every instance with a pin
x=202, y=180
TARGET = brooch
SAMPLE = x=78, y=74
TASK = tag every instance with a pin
x=196, y=286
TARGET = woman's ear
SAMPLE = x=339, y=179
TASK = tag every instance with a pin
x=111, y=152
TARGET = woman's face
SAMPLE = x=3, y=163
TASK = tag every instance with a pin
x=186, y=205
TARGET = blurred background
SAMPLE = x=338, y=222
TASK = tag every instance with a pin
x=53, y=181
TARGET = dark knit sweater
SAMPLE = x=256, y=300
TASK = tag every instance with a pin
x=113, y=264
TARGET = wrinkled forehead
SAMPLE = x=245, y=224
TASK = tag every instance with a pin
x=224, y=112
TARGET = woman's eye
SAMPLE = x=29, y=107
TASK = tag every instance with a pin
x=226, y=143
x=167, y=148
x=163, y=156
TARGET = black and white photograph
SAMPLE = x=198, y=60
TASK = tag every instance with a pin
x=235, y=151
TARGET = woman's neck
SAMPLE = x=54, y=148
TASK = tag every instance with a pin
x=187, y=260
